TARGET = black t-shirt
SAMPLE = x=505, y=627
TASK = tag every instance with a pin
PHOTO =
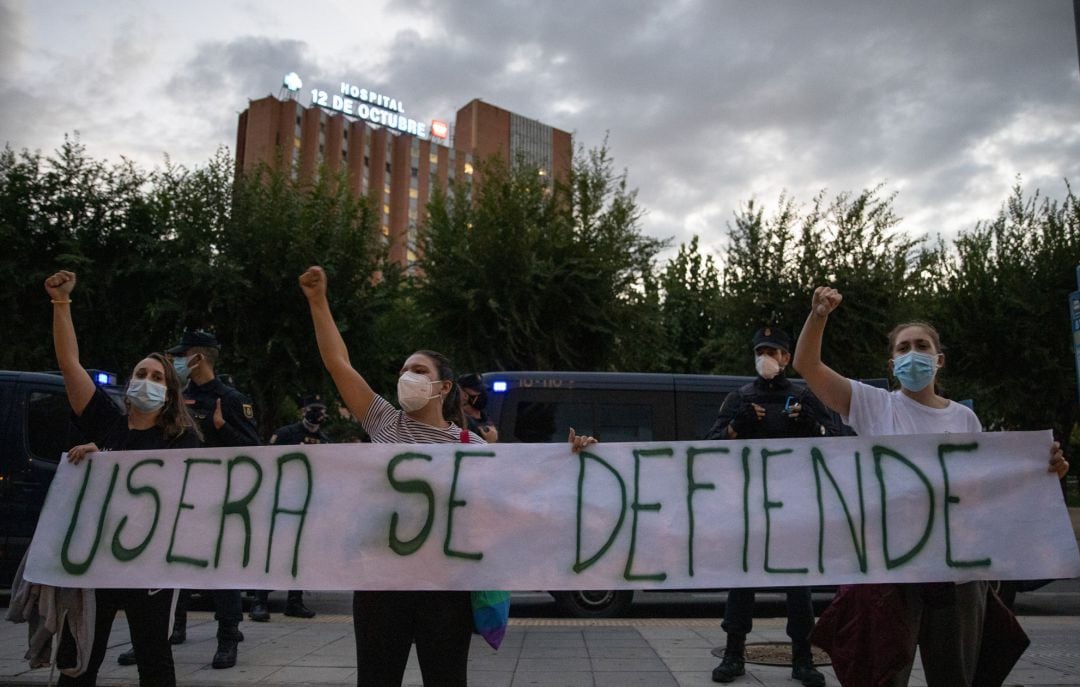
x=106, y=425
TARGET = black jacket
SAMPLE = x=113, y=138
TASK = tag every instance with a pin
x=239, y=413
x=773, y=395
x=297, y=433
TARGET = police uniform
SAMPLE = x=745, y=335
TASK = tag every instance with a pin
x=239, y=429
x=475, y=383
x=236, y=409
x=776, y=396
x=297, y=433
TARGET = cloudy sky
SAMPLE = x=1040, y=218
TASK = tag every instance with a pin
x=706, y=103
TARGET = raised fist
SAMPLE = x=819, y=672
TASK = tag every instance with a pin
x=60, y=285
x=826, y=299
x=313, y=282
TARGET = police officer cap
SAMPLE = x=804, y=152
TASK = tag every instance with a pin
x=772, y=337
x=312, y=400
x=194, y=338
x=471, y=381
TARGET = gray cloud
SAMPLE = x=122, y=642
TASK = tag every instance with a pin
x=227, y=72
x=706, y=103
x=703, y=99
x=12, y=36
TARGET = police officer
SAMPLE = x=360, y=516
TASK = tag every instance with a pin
x=771, y=407
x=307, y=431
x=474, y=400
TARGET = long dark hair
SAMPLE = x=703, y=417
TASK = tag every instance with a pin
x=451, y=407
x=174, y=418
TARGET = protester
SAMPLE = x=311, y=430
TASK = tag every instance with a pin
x=944, y=621
x=307, y=431
x=770, y=407
x=474, y=400
x=156, y=419
x=387, y=623
x=227, y=418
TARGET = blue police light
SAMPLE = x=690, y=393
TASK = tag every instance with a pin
x=104, y=378
x=498, y=387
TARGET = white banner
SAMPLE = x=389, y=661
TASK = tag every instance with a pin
x=672, y=515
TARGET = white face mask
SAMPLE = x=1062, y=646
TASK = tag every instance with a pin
x=414, y=391
x=147, y=396
x=766, y=366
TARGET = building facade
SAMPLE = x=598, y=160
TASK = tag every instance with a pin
x=397, y=170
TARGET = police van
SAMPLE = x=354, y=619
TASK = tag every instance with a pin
x=535, y=407
x=35, y=429
x=541, y=407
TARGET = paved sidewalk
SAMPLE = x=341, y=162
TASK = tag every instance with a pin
x=536, y=653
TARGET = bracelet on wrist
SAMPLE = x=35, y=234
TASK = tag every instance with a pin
x=56, y=302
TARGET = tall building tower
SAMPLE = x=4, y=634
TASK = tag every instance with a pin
x=484, y=130
x=395, y=161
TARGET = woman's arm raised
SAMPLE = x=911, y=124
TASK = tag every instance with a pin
x=77, y=382
x=350, y=384
x=832, y=388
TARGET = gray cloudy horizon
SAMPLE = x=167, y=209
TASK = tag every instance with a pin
x=707, y=105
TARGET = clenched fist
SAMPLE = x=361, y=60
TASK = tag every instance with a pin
x=313, y=283
x=60, y=285
x=826, y=299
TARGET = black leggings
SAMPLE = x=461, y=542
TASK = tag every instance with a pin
x=149, y=619
x=387, y=624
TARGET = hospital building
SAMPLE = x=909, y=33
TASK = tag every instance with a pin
x=392, y=156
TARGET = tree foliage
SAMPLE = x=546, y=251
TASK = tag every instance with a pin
x=523, y=273
x=773, y=262
x=526, y=274
x=690, y=313
x=1002, y=304
x=158, y=252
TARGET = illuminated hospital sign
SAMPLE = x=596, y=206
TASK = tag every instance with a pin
x=375, y=108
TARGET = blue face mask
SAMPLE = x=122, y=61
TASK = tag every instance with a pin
x=182, y=370
x=145, y=395
x=915, y=370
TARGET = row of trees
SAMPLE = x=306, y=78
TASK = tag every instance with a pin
x=518, y=274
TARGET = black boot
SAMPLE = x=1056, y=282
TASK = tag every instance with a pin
x=802, y=666
x=127, y=658
x=179, y=631
x=295, y=606
x=259, y=612
x=733, y=664
x=228, y=637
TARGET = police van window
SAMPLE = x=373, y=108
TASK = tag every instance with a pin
x=704, y=418
x=624, y=422
x=540, y=422
x=49, y=428
x=546, y=422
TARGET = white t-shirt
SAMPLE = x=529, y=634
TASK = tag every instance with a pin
x=877, y=412
x=385, y=424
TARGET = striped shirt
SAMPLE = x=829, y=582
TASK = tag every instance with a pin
x=385, y=424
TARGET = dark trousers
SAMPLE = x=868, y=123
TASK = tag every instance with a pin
x=228, y=606
x=295, y=596
x=739, y=616
x=387, y=623
x=148, y=617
